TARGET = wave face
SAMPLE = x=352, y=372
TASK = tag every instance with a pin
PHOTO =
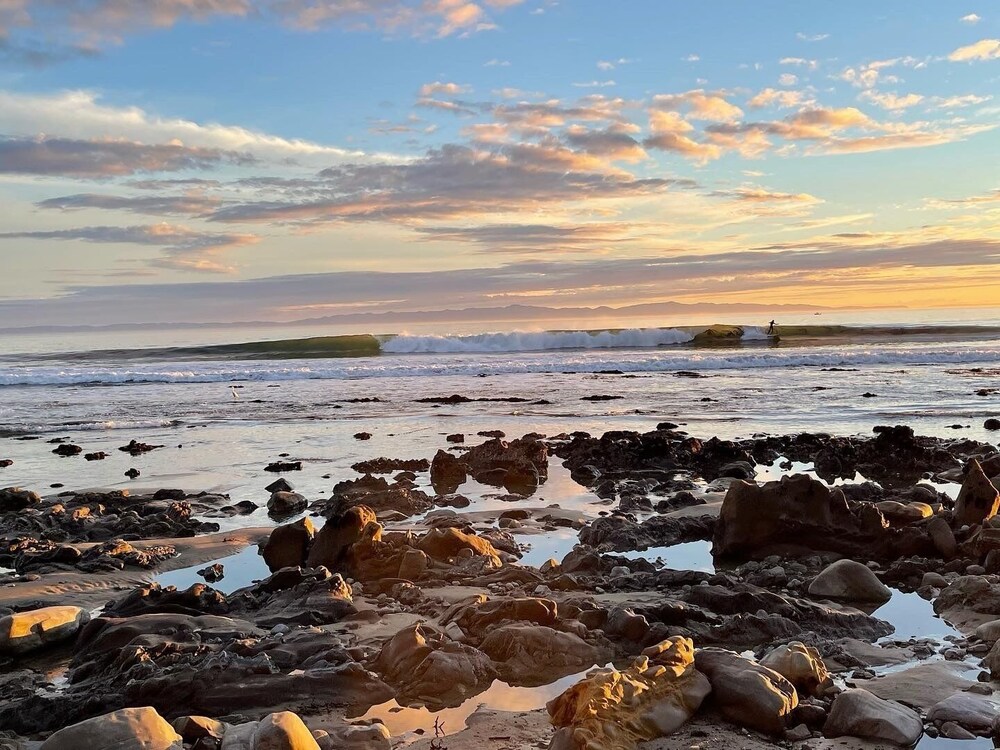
x=540, y=341
x=475, y=363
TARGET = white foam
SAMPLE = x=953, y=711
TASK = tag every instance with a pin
x=536, y=341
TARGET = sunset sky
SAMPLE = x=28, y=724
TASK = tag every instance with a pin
x=203, y=160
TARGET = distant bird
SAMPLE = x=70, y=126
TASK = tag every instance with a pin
x=233, y=389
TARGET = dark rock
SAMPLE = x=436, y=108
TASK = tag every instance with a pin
x=278, y=467
x=288, y=545
x=67, y=449
x=280, y=485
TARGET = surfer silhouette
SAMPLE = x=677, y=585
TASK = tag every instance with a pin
x=770, y=329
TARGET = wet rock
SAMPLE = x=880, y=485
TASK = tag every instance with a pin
x=389, y=465
x=622, y=534
x=858, y=713
x=286, y=504
x=5, y=462
x=288, y=545
x=127, y=729
x=430, y=667
x=850, y=580
x=991, y=424
x=362, y=436
x=801, y=665
x=653, y=698
x=978, y=499
x=213, y=573
x=746, y=692
x=132, y=473
x=280, y=485
x=942, y=537
x=448, y=473
x=969, y=595
x=283, y=731
x=29, y=631
x=67, y=449
x=95, y=456
x=334, y=542
x=278, y=467
x=519, y=465
x=457, y=437
x=136, y=448
x=380, y=495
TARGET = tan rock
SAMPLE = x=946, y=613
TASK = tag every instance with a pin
x=27, y=631
x=978, y=500
x=801, y=665
x=616, y=710
x=127, y=729
x=442, y=544
x=283, y=731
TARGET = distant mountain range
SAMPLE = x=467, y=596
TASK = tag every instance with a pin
x=508, y=313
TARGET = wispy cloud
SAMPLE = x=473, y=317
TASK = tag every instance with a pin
x=984, y=49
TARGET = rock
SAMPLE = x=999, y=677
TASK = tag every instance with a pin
x=978, y=500
x=288, y=545
x=536, y=655
x=858, y=713
x=801, y=665
x=973, y=712
x=746, y=692
x=989, y=631
x=627, y=624
x=127, y=729
x=14, y=498
x=428, y=666
x=67, y=449
x=283, y=731
x=448, y=473
x=278, y=467
x=943, y=537
x=132, y=473
x=359, y=737
x=413, y=564
x=27, y=631
x=898, y=513
x=213, y=573
x=442, y=544
x=362, y=436
x=334, y=542
x=850, y=580
x=922, y=686
x=799, y=515
x=280, y=485
x=992, y=424
x=286, y=503
x=653, y=698
x=194, y=728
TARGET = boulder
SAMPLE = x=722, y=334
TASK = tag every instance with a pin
x=653, y=698
x=286, y=503
x=850, y=580
x=799, y=515
x=288, y=545
x=442, y=544
x=942, y=537
x=978, y=500
x=858, y=713
x=413, y=564
x=14, y=499
x=332, y=545
x=283, y=731
x=976, y=713
x=801, y=665
x=127, y=729
x=537, y=655
x=748, y=693
x=22, y=632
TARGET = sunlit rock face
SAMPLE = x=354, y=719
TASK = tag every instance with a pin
x=617, y=710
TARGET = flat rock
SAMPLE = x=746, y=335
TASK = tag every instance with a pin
x=27, y=631
x=859, y=713
x=923, y=685
x=127, y=729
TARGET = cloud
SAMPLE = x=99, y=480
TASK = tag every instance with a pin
x=156, y=205
x=984, y=49
x=954, y=102
x=108, y=158
x=669, y=132
x=760, y=195
x=802, y=36
x=184, y=249
x=612, y=142
x=972, y=19
x=769, y=96
x=595, y=84
x=811, y=64
x=439, y=88
x=788, y=79
x=700, y=105
x=449, y=182
x=80, y=115
x=94, y=23
x=893, y=102
x=522, y=239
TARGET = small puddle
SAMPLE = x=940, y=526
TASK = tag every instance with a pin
x=241, y=570
x=685, y=556
x=404, y=721
x=913, y=617
x=941, y=743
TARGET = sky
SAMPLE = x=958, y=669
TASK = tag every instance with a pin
x=225, y=160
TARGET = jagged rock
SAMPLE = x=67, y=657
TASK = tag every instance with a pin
x=283, y=731
x=799, y=515
x=448, y=473
x=288, y=545
x=978, y=500
x=801, y=665
x=746, y=692
x=127, y=729
x=286, y=504
x=858, y=713
x=280, y=485
x=968, y=594
x=14, y=499
x=428, y=666
x=850, y=580
x=193, y=728
x=28, y=631
x=616, y=710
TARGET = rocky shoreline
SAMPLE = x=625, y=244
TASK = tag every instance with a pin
x=398, y=592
